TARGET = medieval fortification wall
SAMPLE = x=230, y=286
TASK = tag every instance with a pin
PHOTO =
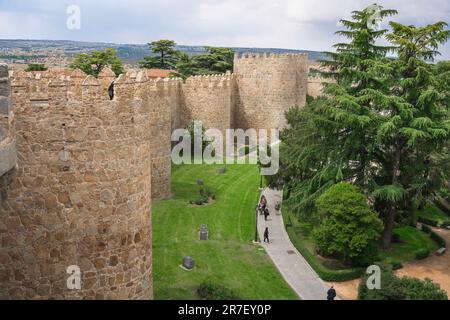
x=80, y=190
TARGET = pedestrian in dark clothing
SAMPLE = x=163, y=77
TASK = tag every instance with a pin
x=331, y=294
x=266, y=236
x=266, y=214
x=263, y=204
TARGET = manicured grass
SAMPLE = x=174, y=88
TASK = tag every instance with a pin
x=431, y=212
x=228, y=258
x=411, y=241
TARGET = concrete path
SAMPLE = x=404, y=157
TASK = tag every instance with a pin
x=291, y=264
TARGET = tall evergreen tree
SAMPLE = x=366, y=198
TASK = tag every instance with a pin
x=165, y=56
x=378, y=126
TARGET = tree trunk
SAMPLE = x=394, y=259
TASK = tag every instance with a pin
x=390, y=219
x=388, y=228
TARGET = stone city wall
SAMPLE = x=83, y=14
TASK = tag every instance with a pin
x=82, y=191
x=8, y=156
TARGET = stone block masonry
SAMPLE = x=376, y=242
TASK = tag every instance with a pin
x=268, y=85
x=81, y=189
x=8, y=155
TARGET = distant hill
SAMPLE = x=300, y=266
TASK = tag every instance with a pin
x=128, y=52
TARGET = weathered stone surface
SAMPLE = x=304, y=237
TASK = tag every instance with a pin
x=3, y=70
x=188, y=263
x=5, y=105
x=8, y=157
x=89, y=166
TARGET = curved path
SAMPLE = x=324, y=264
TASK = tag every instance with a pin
x=291, y=264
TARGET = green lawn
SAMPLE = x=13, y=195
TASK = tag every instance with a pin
x=433, y=213
x=228, y=258
x=411, y=241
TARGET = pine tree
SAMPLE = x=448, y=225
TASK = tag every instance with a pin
x=383, y=125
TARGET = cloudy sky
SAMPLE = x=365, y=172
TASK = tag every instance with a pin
x=294, y=24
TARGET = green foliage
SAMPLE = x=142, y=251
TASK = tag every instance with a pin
x=384, y=124
x=324, y=272
x=439, y=240
x=214, y=61
x=205, y=196
x=36, y=67
x=212, y=291
x=395, y=288
x=165, y=56
x=348, y=226
x=422, y=254
x=94, y=62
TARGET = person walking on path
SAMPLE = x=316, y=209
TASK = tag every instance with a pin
x=263, y=204
x=266, y=235
x=331, y=294
x=266, y=213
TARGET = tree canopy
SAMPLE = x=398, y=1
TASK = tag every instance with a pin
x=382, y=125
x=347, y=224
x=94, y=62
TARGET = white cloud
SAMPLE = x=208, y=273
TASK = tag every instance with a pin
x=302, y=24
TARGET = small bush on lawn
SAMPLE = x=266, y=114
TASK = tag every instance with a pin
x=212, y=291
x=422, y=254
x=205, y=196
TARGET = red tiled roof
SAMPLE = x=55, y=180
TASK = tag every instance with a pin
x=159, y=73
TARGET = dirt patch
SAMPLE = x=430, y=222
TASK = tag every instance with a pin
x=346, y=290
x=436, y=268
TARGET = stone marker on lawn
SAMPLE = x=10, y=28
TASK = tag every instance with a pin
x=188, y=263
x=203, y=232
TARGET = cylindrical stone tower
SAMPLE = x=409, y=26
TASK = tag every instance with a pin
x=268, y=85
x=82, y=192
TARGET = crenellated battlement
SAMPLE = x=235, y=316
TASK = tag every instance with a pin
x=94, y=152
x=210, y=81
x=279, y=56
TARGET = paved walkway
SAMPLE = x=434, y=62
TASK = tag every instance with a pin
x=291, y=264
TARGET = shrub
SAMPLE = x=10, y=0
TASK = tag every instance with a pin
x=212, y=291
x=348, y=226
x=422, y=254
x=36, y=67
x=396, y=265
x=395, y=288
x=440, y=241
x=428, y=221
x=396, y=238
x=445, y=224
x=426, y=229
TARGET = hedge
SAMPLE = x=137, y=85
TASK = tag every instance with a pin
x=422, y=254
x=434, y=236
x=440, y=241
x=443, y=207
x=427, y=221
x=324, y=273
